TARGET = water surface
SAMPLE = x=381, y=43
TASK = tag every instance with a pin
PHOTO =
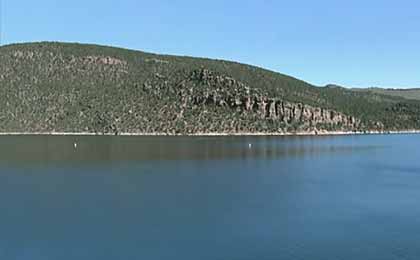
x=347, y=197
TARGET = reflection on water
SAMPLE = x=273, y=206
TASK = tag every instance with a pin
x=59, y=149
x=154, y=198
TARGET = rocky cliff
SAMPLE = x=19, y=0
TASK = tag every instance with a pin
x=205, y=89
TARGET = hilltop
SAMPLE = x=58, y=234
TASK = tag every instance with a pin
x=63, y=87
x=411, y=93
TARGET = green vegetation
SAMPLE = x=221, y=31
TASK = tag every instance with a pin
x=61, y=87
x=413, y=93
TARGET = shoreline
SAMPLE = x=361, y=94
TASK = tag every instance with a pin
x=320, y=133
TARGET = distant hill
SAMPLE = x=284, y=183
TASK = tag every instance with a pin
x=62, y=87
x=412, y=93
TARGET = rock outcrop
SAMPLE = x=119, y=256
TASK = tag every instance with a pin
x=204, y=88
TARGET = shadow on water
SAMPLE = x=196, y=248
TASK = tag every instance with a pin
x=110, y=149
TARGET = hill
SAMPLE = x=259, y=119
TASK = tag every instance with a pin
x=412, y=93
x=62, y=87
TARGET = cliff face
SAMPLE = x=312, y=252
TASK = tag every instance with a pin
x=251, y=101
x=203, y=88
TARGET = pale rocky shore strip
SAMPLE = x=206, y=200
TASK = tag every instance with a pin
x=312, y=133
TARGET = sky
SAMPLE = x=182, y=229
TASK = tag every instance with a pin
x=353, y=43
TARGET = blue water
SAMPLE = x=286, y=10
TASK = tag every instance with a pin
x=348, y=197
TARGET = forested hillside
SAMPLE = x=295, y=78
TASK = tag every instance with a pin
x=61, y=87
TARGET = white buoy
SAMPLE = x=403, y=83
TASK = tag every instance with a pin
x=250, y=146
x=75, y=145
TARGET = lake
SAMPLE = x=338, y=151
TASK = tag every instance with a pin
x=339, y=197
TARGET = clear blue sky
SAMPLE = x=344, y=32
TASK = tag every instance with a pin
x=354, y=43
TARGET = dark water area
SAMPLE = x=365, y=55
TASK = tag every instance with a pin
x=340, y=197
